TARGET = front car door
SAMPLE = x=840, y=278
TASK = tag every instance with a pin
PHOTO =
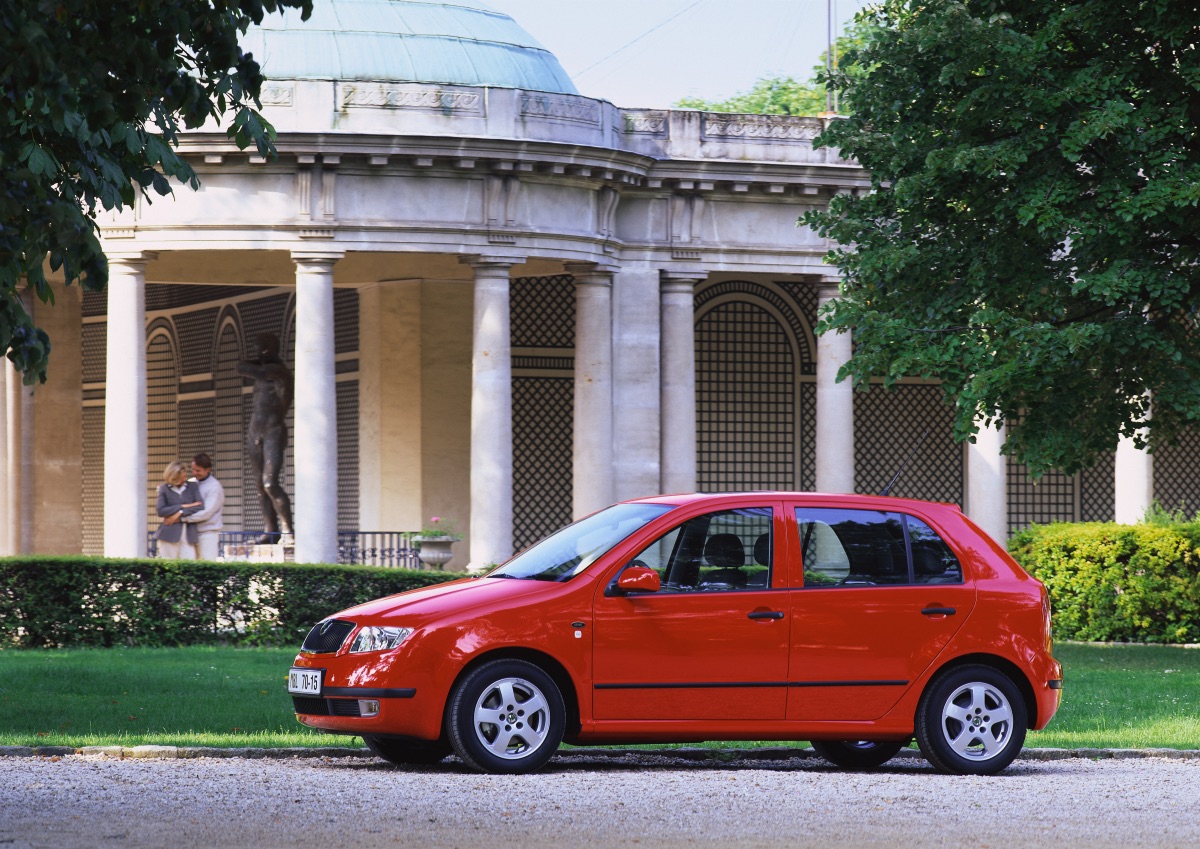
x=882, y=595
x=712, y=643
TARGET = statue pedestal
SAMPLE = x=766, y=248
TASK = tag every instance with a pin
x=253, y=552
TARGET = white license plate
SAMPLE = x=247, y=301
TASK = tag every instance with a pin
x=306, y=682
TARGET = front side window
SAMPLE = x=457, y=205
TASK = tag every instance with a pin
x=727, y=551
x=568, y=552
x=870, y=548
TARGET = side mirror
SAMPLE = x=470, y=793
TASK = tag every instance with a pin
x=638, y=579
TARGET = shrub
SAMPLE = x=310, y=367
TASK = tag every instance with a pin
x=1125, y=583
x=78, y=601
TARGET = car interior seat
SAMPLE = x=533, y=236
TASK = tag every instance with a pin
x=725, y=552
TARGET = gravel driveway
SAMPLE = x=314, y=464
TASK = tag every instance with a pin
x=593, y=799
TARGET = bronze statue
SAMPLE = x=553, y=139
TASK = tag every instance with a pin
x=266, y=437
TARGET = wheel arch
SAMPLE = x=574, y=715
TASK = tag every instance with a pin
x=1000, y=664
x=548, y=664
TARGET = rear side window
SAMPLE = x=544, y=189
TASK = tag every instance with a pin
x=870, y=548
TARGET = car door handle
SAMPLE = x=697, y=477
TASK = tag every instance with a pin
x=939, y=611
x=765, y=614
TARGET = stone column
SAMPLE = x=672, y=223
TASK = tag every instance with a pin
x=491, y=413
x=1134, y=482
x=125, y=480
x=987, y=482
x=637, y=383
x=315, y=454
x=678, y=311
x=593, y=444
x=835, y=405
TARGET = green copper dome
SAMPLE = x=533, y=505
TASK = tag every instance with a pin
x=456, y=42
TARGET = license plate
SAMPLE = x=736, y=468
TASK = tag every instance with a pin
x=305, y=682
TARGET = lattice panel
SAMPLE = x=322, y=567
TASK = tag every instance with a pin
x=229, y=428
x=92, y=485
x=95, y=352
x=265, y=315
x=1176, y=483
x=95, y=304
x=1051, y=498
x=804, y=297
x=789, y=303
x=746, y=401
x=195, y=331
x=888, y=426
x=162, y=297
x=1097, y=491
x=808, y=436
x=162, y=415
x=347, y=418
x=195, y=428
x=345, y=322
x=543, y=311
x=543, y=419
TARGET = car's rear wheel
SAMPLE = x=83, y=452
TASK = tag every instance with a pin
x=971, y=721
x=857, y=754
x=402, y=751
x=506, y=716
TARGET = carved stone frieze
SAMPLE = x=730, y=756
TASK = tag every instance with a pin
x=573, y=109
x=653, y=123
x=384, y=96
x=770, y=127
x=277, y=94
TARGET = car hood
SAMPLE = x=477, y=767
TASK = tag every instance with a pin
x=428, y=603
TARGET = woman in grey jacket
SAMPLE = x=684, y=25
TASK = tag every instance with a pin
x=177, y=497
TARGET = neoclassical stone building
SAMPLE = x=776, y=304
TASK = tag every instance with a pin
x=506, y=304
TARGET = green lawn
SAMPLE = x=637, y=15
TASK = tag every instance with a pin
x=1116, y=696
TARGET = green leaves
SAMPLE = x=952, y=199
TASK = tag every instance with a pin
x=1030, y=241
x=92, y=98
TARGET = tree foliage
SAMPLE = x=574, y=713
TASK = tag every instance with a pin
x=787, y=95
x=1031, y=236
x=92, y=98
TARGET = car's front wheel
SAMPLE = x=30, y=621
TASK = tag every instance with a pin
x=506, y=716
x=402, y=751
x=857, y=754
x=971, y=720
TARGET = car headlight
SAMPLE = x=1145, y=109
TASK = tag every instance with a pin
x=379, y=638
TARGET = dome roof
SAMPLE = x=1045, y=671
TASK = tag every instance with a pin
x=460, y=42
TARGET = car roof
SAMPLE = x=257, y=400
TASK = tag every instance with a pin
x=879, y=502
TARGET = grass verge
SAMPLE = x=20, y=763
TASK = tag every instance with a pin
x=1116, y=696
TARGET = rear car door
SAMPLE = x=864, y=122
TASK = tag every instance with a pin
x=882, y=595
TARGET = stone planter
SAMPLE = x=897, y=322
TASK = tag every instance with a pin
x=435, y=551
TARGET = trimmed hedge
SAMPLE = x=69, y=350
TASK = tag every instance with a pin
x=1119, y=583
x=57, y=602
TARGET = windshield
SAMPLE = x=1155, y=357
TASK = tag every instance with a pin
x=568, y=552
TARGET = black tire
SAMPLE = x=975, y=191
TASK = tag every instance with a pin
x=857, y=754
x=506, y=716
x=971, y=721
x=401, y=751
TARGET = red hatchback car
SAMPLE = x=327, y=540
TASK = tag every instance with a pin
x=853, y=622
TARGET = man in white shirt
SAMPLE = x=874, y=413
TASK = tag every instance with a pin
x=207, y=519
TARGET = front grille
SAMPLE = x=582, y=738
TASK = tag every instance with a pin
x=343, y=707
x=311, y=706
x=326, y=707
x=327, y=637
